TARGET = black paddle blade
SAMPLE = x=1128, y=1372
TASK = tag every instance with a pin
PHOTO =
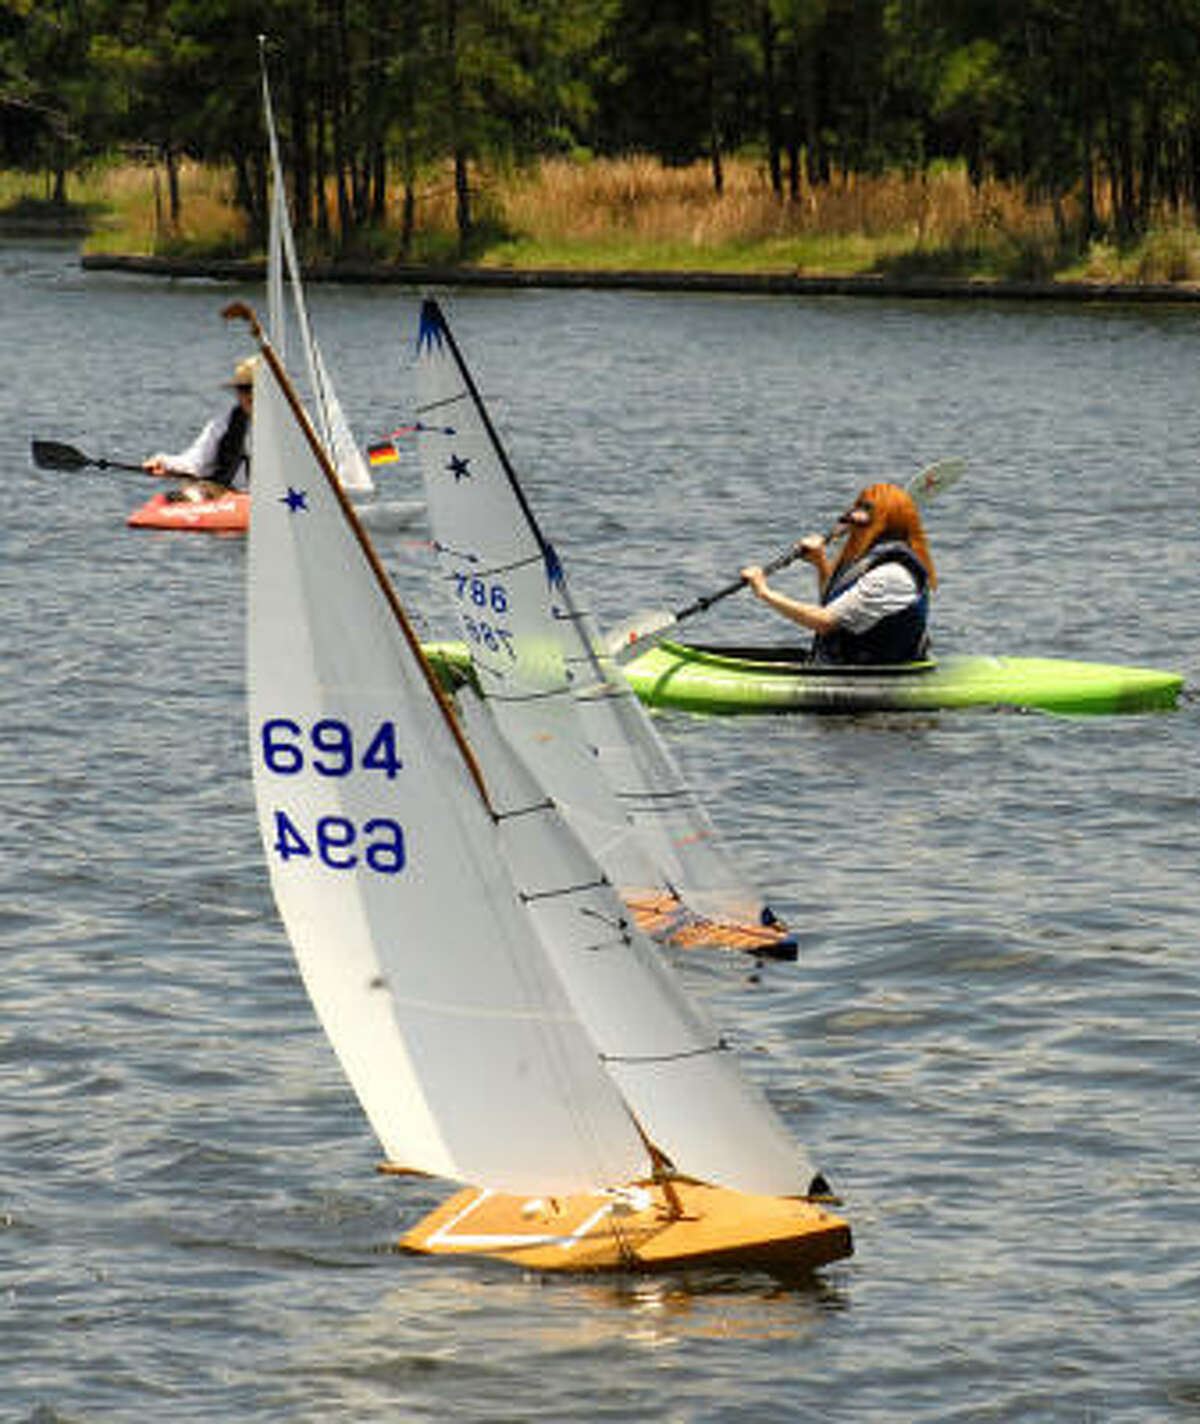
x=53, y=455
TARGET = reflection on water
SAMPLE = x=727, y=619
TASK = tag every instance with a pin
x=989, y=1041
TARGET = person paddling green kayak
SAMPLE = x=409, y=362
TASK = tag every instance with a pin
x=874, y=597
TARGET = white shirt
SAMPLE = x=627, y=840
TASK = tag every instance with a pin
x=888, y=588
x=200, y=457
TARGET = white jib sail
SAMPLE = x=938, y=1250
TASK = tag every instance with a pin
x=331, y=421
x=537, y=657
x=677, y=1075
x=450, y=1022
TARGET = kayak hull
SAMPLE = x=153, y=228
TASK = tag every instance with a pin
x=735, y=681
x=228, y=514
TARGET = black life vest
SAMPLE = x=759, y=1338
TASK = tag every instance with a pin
x=231, y=449
x=899, y=637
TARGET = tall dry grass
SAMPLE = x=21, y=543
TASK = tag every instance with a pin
x=564, y=200
x=638, y=203
x=138, y=211
x=634, y=212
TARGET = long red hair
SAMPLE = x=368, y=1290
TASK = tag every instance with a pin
x=893, y=516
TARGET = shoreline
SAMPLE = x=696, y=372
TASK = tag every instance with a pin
x=745, y=283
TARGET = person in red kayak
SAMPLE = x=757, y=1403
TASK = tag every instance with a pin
x=874, y=604
x=219, y=458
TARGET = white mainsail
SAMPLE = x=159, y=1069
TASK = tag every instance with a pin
x=281, y=259
x=538, y=658
x=499, y=1020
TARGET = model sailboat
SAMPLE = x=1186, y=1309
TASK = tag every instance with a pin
x=555, y=693
x=328, y=415
x=501, y=1022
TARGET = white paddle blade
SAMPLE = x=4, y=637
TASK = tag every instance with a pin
x=936, y=478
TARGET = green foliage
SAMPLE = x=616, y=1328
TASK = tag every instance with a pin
x=1092, y=104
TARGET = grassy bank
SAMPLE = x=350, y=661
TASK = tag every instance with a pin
x=633, y=214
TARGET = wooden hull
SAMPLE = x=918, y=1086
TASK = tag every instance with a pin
x=230, y=514
x=664, y=918
x=635, y=1230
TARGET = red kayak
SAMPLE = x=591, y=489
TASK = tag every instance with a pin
x=228, y=514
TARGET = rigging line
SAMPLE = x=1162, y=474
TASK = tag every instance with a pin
x=437, y=405
x=530, y=897
x=520, y=697
x=603, y=692
x=604, y=946
x=580, y=659
x=620, y=928
x=419, y=427
x=526, y=562
x=457, y=553
x=720, y=1046
x=533, y=808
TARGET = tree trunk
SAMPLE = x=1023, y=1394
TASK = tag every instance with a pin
x=710, y=98
x=767, y=31
x=174, y=203
x=462, y=201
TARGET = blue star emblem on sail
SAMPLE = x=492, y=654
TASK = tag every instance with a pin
x=295, y=500
x=458, y=467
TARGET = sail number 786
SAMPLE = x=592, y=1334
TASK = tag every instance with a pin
x=484, y=606
x=330, y=748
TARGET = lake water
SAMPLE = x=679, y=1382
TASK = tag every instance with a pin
x=991, y=1040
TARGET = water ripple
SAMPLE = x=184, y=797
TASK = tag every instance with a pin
x=988, y=1043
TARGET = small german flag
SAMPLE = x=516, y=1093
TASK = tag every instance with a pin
x=383, y=452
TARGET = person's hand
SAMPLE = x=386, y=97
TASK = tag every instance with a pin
x=156, y=465
x=811, y=549
x=755, y=578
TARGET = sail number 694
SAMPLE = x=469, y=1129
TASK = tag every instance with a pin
x=329, y=748
x=337, y=843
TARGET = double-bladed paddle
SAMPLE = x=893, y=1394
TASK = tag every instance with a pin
x=646, y=629
x=54, y=455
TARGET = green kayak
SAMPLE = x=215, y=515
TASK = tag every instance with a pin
x=746, y=680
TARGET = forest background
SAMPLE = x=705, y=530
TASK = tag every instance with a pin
x=1028, y=139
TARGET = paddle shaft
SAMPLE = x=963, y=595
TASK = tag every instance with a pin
x=125, y=465
x=707, y=600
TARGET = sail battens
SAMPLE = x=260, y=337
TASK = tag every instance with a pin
x=561, y=891
x=479, y=1013
x=597, y=691
x=645, y=1058
x=441, y=404
x=534, y=808
x=655, y=800
x=514, y=699
x=498, y=569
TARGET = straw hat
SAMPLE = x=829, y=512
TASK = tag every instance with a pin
x=243, y=373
